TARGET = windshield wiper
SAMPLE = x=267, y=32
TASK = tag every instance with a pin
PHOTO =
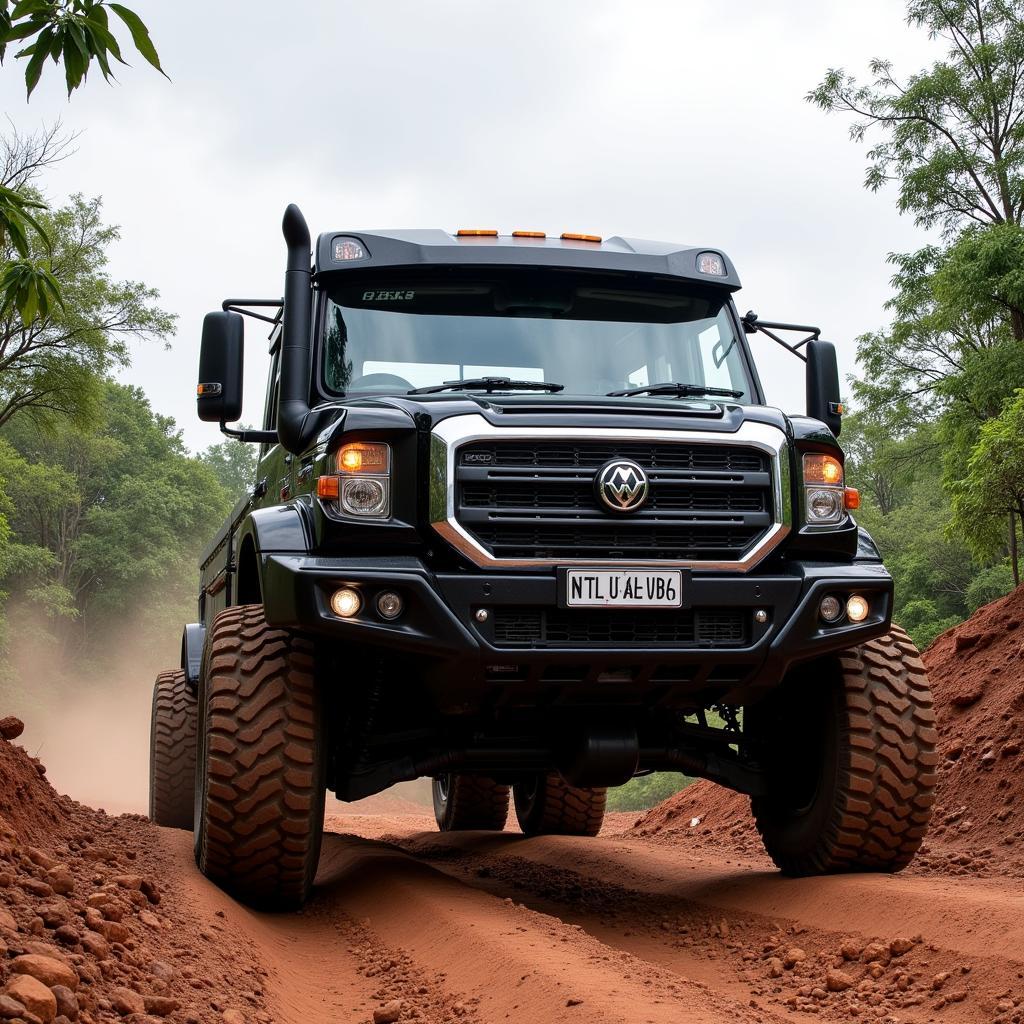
x=488, y=384
x=678, y=391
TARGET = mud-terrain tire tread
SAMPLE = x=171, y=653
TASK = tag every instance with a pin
x=474, y=803
x=555, y=808
x=261, y=781
x=887, y=769
x=172, y=751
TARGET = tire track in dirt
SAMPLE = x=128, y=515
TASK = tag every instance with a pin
x=868, y=944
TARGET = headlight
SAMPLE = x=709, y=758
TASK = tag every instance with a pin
x=361, y=484
x=824, y=490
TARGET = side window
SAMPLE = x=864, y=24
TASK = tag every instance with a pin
x=273, y=395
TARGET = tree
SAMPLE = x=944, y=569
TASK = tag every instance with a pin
x=992, y=492
x=953, y=135
x=76, y=32
x=234, y=465
x=52, y=364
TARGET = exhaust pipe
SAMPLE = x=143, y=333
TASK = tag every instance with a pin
x=296, y=426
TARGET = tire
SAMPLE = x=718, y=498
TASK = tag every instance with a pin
x=464, y=803
x=172, y=751
x=864, y=738
x=260, y=784
x=546, y=805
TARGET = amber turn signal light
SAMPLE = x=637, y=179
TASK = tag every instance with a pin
x=823, y=469
x=851, y=498
x=328, y=487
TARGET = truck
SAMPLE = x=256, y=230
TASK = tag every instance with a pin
x=525, y=524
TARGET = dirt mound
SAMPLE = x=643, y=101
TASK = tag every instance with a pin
x=977, y=677
x=87, y=933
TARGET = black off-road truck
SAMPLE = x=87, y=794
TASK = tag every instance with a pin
x=523, y=523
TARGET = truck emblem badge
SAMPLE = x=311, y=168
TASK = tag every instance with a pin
x=621, y=485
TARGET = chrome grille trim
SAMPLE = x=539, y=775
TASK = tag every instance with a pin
x=451, y=434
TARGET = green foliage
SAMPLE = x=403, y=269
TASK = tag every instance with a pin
x=52, y=364
x=989, y=585
x=75, y=32
x=952, y=135
x=646, y=791
x=993, y=487
x=234, y=465
x=106, y=525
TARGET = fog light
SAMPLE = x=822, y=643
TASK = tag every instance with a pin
x=857, y=608
x=830, y=608
x=389, y=605
x=346, y=602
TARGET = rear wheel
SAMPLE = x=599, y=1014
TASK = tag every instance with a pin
x=849, y=748
x=466, y=802
x=260, y=778
x=172, y=751
x=548, y=805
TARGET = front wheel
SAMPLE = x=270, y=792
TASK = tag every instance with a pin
x=548, y=805
x=260, y=779
x=849, y=749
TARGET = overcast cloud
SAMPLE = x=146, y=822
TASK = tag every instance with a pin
x=681, y=121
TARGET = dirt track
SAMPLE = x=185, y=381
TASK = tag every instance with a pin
x=494, y=927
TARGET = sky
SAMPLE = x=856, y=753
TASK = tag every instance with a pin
x=683, y=121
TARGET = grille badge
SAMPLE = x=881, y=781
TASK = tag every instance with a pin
x=621, y=485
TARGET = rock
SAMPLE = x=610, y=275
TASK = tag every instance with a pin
x=988, y=758
x=970, y=694
x=233, y=1017
x=838, y=981
x=148, y=919
x=10, y=1008
x=160, y=1006
x=900, y=946
x=793, y=957
x=127, y=881
x=150, y=891
x=774, y=967
x=53, y=915
x=66, y=935
x=43, y=860
x=34, y=996
x=95, y=944
x=61, y=880
x=574, y=1002
x=389, y=1013
x=45, y=969
x=7, y=922
x=11, y=728
x=875, y=952
x=851, y=949
x=67, y=1002
x=35, y=887
x=1010, y=749
x=127, y=1002
x=163, y=971
x=939, y=980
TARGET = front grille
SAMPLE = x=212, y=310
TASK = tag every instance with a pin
x=579, y=627
x=535, y=500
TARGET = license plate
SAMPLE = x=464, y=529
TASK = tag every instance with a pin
x=623, y=588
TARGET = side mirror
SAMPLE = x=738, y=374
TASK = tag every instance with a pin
x=823, y=397
x=220, y=368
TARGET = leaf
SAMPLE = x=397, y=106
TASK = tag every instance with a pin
x=35, y=66
x=140, y=35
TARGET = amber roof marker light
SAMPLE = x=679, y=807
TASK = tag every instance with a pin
x=529, y=234
x=476, y=233
x=575, y=236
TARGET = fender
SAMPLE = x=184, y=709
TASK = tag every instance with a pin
x=281, y=529
x=192, y=639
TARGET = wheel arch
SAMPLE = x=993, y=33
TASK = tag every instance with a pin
x=281, y=529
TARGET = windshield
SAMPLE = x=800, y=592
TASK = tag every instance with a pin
x=391, y=336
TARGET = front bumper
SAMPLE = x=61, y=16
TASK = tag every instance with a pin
x=440, y=627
